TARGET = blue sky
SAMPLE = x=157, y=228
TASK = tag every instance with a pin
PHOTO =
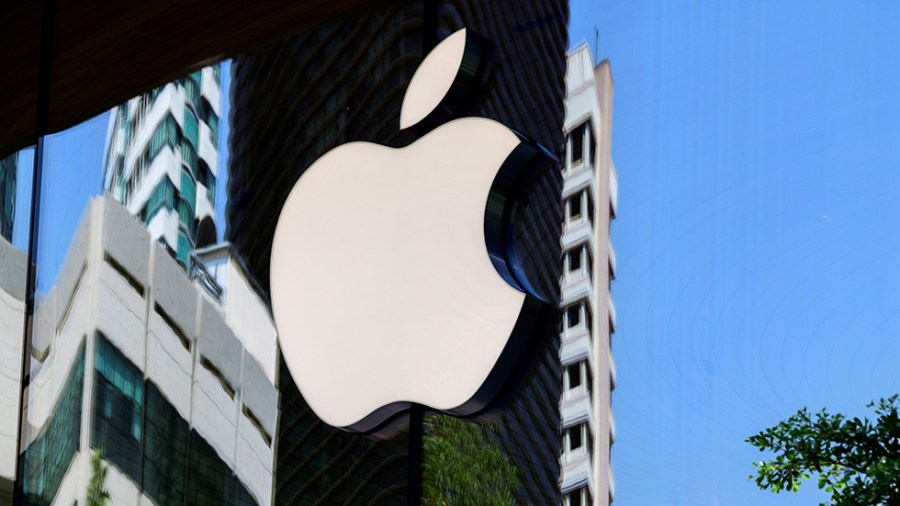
x=757, y=238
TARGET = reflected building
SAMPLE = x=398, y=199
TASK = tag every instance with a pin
x=172, y=382
x=590, y=196
x=161, y=160
x=344, y=81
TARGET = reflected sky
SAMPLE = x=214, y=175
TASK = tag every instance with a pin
x=757, y=232
x=22, y=220
x=72, y=173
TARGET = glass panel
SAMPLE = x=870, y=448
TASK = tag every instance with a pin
x=211, y=483
x=48, y=457
x=16, y=172
x=163, y=197
x=189, y=156
x=192, y=89
x=118, y=409
x=162, y=400
x=165, y=449
x=60, y=354
x=191, y=127
x=188, y=189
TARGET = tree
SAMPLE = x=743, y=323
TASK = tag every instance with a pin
x=461, y=465
x=97, y=495
x=856, y=461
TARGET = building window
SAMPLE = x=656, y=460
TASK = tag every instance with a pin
x=580, y=497
x=577, y=137
x=191, y=127
x=163, y=197
x=592, y=149
x=166, y=443
x=183, y=252
x=118, y=409
x=573, y=375
x=574, y=437
x=192, y=88
x=48, y=457
x=212, y=482
x=166, y=134
x=575, y=206
x=188, y=156
x=575, y=258
x=206, y=178
x=575, y=498
x=573, y=315
x=208, y=116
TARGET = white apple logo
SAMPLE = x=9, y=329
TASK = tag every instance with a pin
x=384, y=291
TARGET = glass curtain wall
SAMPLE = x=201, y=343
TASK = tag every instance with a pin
x=152, y=360
x=16, y=172
x=153, y=368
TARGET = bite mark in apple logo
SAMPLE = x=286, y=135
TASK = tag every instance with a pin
x=393, y=282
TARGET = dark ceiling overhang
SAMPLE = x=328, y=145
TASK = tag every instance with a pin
x=102, y=53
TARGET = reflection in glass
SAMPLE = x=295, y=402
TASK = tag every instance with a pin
x=177, y=368
x=344, y=81
x=15, y=213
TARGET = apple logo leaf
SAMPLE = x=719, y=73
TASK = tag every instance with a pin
x=448, y=82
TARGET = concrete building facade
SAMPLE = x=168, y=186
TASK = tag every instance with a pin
x=161, y=160
x=590, y=199
x=174, y=384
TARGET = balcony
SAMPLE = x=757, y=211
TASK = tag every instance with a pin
x=575, y=346
x=576, y=471
x=612, y=259
x=575, y=408
x=612, y=313
x=576, y=231
x=577, y=179
x=577, y=285
x=613, y=190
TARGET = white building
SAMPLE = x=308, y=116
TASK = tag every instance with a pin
x=13, y=263
x=173, y=382
x=589, y=265
x=161, y=157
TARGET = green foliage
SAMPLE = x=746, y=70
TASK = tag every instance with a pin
x=97, y=495
x=856, y=461
x=461, y=465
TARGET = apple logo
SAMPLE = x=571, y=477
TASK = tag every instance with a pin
x=392, y=279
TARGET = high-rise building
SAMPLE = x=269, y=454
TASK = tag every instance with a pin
x=171, y=382
x=589, y=265
x=160, y=161
x=344, y=81
x=8, y=194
